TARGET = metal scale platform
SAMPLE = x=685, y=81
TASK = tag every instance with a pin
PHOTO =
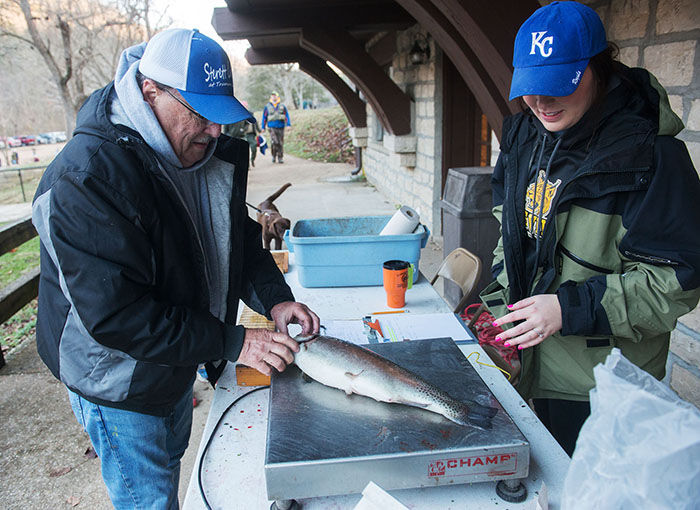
x=321, y=442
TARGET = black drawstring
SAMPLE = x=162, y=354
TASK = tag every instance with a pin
x=544, y=192
x=532, y=156
x=537, y=172
x=538, y=230
x=251, y=205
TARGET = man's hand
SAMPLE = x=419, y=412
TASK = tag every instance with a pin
x=291, y=312
x=264, y=350
x=541, y=316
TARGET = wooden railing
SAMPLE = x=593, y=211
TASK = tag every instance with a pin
x=14, y=296
x=18, y=170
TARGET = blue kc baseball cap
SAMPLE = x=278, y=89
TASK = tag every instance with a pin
x=198, y=67
x=553, y=47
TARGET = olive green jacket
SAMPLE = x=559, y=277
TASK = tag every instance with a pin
x=620, y=243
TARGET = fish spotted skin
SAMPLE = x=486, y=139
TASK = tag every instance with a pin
x=354, y=369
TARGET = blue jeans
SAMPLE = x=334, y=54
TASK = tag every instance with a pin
x=140, y=454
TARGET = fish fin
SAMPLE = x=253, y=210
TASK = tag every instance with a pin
x=480, y=415
x=349, y=389
x=421, y=405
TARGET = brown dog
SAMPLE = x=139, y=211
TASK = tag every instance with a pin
x=273, y=224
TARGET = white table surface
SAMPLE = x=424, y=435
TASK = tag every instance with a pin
x=233, y=475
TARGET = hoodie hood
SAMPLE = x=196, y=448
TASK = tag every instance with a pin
x=668, y=122
x=129, y=108
x=635, y=101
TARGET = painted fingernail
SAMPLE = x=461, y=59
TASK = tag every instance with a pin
x=509, y=306
x=506, y=344
x=498, y=339
x=520, y=347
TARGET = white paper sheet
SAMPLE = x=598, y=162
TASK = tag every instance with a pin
x=401, y=327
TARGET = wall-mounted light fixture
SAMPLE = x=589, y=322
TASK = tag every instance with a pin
x=420, y=51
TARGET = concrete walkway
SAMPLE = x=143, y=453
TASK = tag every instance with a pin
x=42, y=461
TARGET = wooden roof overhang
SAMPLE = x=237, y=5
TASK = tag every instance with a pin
x=290, y=32
x=476, y=36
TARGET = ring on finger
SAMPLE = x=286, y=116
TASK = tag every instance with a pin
x=539, y=332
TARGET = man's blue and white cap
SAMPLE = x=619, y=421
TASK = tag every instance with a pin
x=553, y=47
x=198, y=67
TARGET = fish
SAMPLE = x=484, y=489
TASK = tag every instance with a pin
x=355, y=369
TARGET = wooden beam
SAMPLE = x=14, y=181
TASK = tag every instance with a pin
x=478, y=39
x=349, y=101
x=489, y=29
x=11, y=236
x=364, y=16
x=473, y=72
x=384, y=49
x=392, y=105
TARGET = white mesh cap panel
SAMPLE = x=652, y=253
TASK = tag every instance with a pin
x=166, y=57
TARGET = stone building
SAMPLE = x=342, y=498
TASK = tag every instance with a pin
x=433, y=78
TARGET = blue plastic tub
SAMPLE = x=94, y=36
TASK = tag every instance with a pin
x=348, y=252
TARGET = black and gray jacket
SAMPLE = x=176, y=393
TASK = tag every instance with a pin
x=124, y=303
x=607, y=216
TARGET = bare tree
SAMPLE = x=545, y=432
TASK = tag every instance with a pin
x=79, y=42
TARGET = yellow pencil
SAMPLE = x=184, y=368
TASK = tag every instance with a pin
x=388, y=311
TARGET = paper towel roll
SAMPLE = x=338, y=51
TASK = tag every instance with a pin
x=404, y=221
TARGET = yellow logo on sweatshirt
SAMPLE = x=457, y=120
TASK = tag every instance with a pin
x=542, y=202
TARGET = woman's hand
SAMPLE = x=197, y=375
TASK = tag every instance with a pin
x=541, y=316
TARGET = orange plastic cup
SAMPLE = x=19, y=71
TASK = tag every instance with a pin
x=398, y=276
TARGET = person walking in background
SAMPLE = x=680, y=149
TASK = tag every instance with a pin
x=247, y=130
x=599, y=212
x=146, y=250
x=276, y=116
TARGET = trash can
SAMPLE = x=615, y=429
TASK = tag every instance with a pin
x=467, y=221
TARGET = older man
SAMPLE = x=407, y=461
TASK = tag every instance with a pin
x=146, y=249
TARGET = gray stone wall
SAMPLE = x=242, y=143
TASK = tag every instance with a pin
x=662, y=36
x=408, y=168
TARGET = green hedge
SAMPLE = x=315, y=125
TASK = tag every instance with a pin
x=319, y=135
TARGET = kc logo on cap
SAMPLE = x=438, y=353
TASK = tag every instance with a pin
x=539, y=41
x=553, y=47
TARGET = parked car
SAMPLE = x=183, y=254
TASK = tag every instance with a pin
x=60, y=136
x=13, y=141
x=44, y=138
x=27, y=140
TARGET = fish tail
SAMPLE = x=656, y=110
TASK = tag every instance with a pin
x=472, y=413
x=480, y=415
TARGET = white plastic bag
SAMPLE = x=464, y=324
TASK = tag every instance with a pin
x=640, y=448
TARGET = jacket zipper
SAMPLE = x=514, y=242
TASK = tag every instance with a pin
x=584, y=263
x=194, y=225
x=184, y=206
x=650, y=259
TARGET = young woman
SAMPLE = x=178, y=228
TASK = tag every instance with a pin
x=599, y=207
